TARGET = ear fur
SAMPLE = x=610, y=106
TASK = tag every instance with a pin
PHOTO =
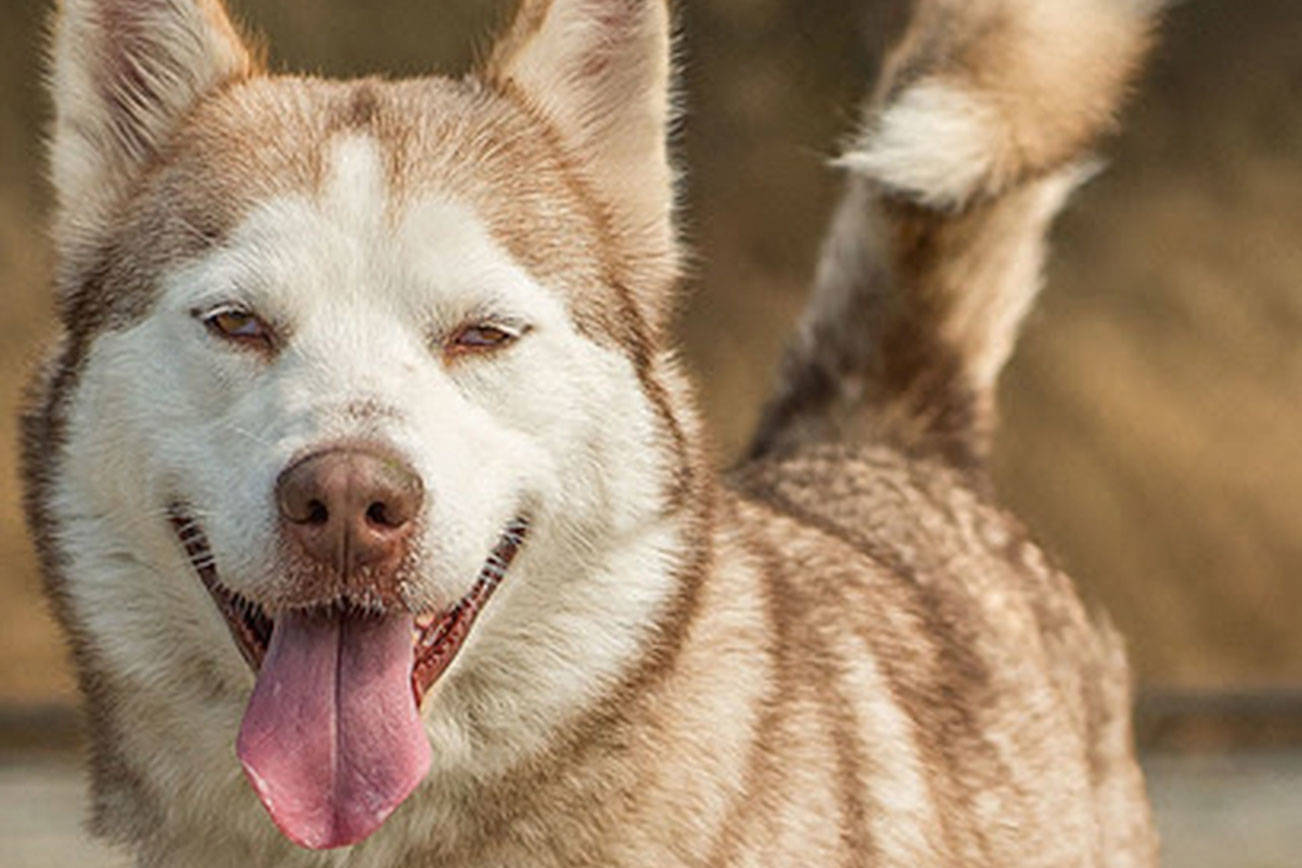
x=599, y=71
x=124, y=73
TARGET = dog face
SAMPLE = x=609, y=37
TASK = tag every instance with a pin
x=343, y=312
x=344, y=359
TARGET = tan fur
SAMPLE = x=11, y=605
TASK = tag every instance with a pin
x=115, y=112
x=862, y=660
x=598, y=73
x=978, y=132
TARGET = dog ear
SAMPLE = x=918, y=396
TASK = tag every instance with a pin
x=124, y=74
x=599, y=71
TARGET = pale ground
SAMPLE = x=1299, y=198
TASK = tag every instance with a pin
x=1239, y=811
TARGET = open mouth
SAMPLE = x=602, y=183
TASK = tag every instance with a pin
x=438, y=636
x=332, y=740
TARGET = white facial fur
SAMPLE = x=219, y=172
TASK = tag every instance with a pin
x=554, y=425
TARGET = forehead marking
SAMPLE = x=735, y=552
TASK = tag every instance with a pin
x=356, y=185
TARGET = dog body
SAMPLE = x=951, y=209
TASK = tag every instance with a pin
x=843, y=654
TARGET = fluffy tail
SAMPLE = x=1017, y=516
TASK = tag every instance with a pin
x=981, y=127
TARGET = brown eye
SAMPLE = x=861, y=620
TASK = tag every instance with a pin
x=479, y=338
x=240, y=326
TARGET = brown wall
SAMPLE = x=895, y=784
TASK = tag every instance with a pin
x=1152, y=414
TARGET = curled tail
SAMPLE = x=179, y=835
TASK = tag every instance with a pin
x=981, y=127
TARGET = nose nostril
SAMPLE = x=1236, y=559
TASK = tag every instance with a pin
x=317, y=513
x=378, y=514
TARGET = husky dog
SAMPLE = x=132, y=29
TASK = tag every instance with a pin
x=375, y=505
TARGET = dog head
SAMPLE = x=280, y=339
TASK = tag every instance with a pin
x=349, y=364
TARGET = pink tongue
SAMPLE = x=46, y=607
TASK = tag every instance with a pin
x=332, y=740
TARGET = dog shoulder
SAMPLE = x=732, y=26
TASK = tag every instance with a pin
x=945, y=630
x=925, y=525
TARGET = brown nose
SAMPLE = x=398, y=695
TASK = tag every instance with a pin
x=350, y=508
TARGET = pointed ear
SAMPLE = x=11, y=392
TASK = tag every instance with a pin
x=124, y=74
x=599, y=72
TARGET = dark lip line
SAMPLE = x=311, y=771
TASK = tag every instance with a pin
x=248, y=623
x=435, y=647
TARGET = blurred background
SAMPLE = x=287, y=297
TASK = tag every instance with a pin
x=1151, y=415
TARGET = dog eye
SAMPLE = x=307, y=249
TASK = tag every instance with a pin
x=239, y=326
x=479, y=338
